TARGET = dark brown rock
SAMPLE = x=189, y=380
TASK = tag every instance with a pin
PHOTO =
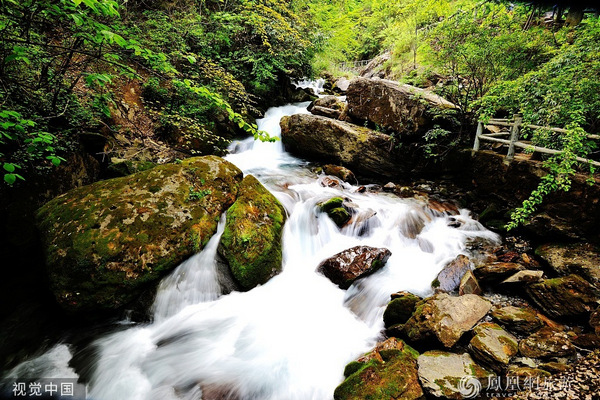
x=347, y=266
x=595, y=321
x=569, y=296
x=496, y=272
x=523, y=277
x=326, y=112
x=546, y=343
x=401, y=108
x=340, y=172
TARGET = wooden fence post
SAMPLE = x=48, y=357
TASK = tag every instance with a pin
x=479, y=132
x=514, y=136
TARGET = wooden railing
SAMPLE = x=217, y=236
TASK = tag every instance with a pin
x=515, y=124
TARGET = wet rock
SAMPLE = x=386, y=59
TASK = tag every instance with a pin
x=569, y=296
x=405, y=191
x=336, y=209
x=108, y=242
x=387, y=372
x=413, y=223
x=582, y=259
x=347, y=266
x=340, y=172
x=124, y=168
x=445, y=318
x=443, y=374
x=326, y=112
x=401, y=108
x=546, y=343
x=363, y=150
x=517, y=319
x=469, y=285
x=251, y=241
x=496, y=272
x=389, y=187
x=399, y=310
x=493, y=346
x=449, y=277
x=442, y=208
x=525, y=276
x=328, y=181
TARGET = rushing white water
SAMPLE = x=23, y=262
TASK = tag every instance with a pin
x=290, y=338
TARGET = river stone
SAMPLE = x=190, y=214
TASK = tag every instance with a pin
x=107, y=242
x=402, y=108
x=399, y=310
x=331, y=102
x=469, y=285
x=527, y=372
x=326, y=112
x=445, y=318
x=580, y=258
x=518, y=319
x=496, y=272
x=523, y=277
x=554, y=367
x=448, y=279
x=337, y=210
x=388, y=372
x=340, y=172
x=546, y=343
x=341, y=85
x=363, y=150
x=443, y=374
x=569, y=296
x=493, y=346
x=251, y=241
x=347, y=266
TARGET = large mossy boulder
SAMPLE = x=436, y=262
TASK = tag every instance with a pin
x=251, y=242
x=388, y=372
x=107, y=242
x=402, y=108
x=365, y=151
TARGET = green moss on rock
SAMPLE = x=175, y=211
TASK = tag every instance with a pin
x=251, y=242
x=107, y=242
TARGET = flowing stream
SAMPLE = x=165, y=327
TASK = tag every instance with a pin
x=290, y=338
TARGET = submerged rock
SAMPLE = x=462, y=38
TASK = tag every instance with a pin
x=349, y=265
x=445, y=318
x=387, y=372
x=569, y=296
x=251, y=242
x=336, y=210
x=449, y=375
x=107, y=242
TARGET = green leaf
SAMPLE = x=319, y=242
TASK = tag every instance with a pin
x=10, y=178
x=9, y=167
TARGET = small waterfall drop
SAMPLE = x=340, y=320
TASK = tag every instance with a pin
x=290, y=338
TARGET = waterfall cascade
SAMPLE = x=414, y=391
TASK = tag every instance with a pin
x=290, y=338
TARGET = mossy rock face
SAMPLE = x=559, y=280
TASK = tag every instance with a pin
x=336, y=210
x=251, y=242
x=107, y=242
x=399, y=310
x=546, y=343
x=518, y=319
x=388, y=372
x=493, y=346
x=129, y=167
